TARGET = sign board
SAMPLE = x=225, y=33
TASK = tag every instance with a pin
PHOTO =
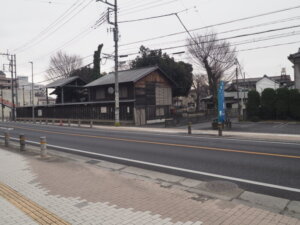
x=221, y=103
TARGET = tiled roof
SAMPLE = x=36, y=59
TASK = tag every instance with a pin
x=124, y=76
x=61, y=82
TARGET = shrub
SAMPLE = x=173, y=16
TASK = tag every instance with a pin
x=282, y=103
x=294, y=104
x=268, y=100
x=252, y=106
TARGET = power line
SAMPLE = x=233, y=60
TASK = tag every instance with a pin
x=57, y=28
x=147, y=8
x=147, y=18
x=242, y=50
x=232, y=37
x=50, y=25
x=214, y=25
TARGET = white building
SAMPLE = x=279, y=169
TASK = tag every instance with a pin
x=265, y=83
x=295, y=59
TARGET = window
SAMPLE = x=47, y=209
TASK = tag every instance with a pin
x=163, y=96
x=160, y=112
x=100, y=93
x=123, y=92
x=103, y=109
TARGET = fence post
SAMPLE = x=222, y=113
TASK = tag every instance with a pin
x=189, y=128
x=91, y=124
x=22, y=142
x=52, y=121
x=40, y=121
x=79, y=123
x=6, y=139
x=43, y=143
x=220, y=129
x=46, y=121
x=69, y=122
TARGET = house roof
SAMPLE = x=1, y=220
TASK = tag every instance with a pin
x=125, y=76
x=291, y=57
x=255, y=79
x=62, y=82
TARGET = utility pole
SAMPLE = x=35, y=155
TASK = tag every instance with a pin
x=116, y=40
x=13, y=114
x=11, y=66
x=2, y=108
x=16, y=81
x=237, y=89
x=23, y=95
x=32, y=91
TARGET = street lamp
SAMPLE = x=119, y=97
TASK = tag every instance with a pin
x=32, y=92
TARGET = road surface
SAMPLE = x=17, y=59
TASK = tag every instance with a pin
x=274, y=163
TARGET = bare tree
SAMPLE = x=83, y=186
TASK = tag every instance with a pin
x=201, y=88
x=62, y=65
x=215, y=56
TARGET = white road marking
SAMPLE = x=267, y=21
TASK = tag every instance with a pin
x=6, y=128
x=174, y=168
x=182, y=136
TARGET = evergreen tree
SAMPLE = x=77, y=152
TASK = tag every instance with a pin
x=179, y=72
x=97, y=59
x=252, y=106
x=282, y=103
x=268, y=100
x=294, y=104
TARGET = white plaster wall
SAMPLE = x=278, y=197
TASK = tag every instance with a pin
x=266, y=83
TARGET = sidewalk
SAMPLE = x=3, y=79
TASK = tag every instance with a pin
x=78, y=190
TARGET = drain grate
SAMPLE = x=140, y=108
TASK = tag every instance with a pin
x=93, y=161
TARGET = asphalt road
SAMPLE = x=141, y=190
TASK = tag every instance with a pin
x=275, y=163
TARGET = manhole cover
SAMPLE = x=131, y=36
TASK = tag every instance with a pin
x=221, y=186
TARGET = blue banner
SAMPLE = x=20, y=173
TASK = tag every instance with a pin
x=221, y=103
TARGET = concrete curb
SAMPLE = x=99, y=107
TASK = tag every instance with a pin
x=229, y=134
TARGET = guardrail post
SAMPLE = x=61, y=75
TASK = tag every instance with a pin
x=46, y=122
x=189, y=128
x=6, y=139
x=43, y=143
x=91, y=124
x=40, y=121
x=220, y=129
x=22, y=142
x=52, y=121
x=79, y=123
x=69, y=122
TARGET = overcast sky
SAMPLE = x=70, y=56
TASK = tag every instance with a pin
x=25, y=31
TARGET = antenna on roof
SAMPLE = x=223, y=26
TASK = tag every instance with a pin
x=283, y=71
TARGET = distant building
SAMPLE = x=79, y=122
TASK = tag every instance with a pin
x=295, y=59
x=5, y=82
x=245, y=85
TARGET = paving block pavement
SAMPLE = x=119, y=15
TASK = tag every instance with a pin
x=84, y=193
